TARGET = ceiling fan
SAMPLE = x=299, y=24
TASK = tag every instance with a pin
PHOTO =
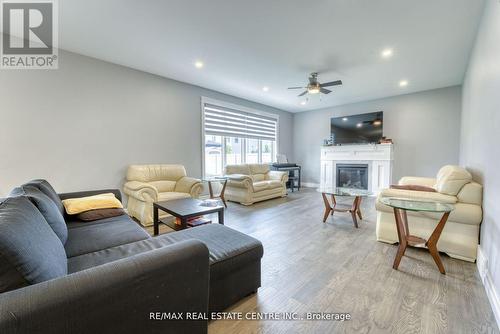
x=314, y=87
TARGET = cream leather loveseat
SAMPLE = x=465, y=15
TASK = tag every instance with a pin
x=453, y=185
x=250, y=183
x=152, y=183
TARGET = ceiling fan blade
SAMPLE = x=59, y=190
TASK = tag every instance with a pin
x=304, y=93
x=331, y=83
x=325, y=91
x=295, y=87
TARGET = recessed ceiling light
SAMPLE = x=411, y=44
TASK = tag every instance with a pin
x=345, y=119
x=303, y=103
x=359, y=125
x=386, y=53
x=265, y=89
x=198, y=64
x=403, y=83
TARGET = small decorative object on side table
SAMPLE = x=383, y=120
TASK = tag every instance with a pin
x=184, y=210
x=218, y=179
x=354, y=209
x=400, y=207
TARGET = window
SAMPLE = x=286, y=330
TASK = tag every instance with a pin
x=213, y=155
x=233, y=151
x=267, y=150
x=236, y=135
x=252, y=151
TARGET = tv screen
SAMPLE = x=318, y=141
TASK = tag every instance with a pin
x=358, y=129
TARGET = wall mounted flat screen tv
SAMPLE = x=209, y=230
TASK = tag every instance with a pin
x=358, y=129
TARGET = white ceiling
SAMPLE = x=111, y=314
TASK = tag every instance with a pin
x=248, y=44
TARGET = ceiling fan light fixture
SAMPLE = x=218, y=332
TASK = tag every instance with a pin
x=313, y=89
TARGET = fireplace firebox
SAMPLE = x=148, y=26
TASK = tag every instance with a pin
x=354, y=176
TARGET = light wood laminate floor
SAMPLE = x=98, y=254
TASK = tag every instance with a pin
x=309, y=266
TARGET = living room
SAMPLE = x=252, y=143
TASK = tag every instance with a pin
x=338, y=156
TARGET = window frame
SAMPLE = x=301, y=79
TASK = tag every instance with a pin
x=208, y=100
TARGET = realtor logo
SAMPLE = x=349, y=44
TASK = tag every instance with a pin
x=29, y=34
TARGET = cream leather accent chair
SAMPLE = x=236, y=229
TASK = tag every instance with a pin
x=250, y=183
x=452, y=185
x=152, y=183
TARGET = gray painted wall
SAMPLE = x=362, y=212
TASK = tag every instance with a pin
x=82, y=125
x=425, y=128
x=480, y=136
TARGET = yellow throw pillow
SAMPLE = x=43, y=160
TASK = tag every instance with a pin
x=75, y=206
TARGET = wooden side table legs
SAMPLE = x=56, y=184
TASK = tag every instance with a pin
x=328, y=208
x=221, y=195
x=433, y=240
x=405, y=238
x=402, y=228
x=331, y=208
x=355, y=210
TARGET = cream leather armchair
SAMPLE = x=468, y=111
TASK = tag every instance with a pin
x=452, y=185
x=152, y=183
x=250, y=183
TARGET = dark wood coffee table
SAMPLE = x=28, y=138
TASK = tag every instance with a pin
x=183, y=209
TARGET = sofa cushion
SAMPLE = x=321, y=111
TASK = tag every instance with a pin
x=30, y=252
x=463, y=213
x=169, y=196
x=258, y=168
x=86, y=238
x=258, y=177
x=264, y=185
x=237, y=169
x=229, y=249
x=471, y=193
x=163, y=186
x=47, y=208
x=148, y=173
x=47, y=189
x=451, y=179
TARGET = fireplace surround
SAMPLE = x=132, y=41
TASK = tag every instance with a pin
x=378, y=158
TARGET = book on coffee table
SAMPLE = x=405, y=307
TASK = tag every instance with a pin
x=195, y=221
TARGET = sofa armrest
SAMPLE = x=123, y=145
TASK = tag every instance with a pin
x=413, y=187
x=419, y=195
x=189, y=185
x=117, y=297
x=417, y=181
x=239, y=181
x=86, y=193
x=277, y=175
x=141, y=190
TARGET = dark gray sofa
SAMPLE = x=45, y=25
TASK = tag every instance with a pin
x=109, y=275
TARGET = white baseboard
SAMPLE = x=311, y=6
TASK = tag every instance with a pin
x=310, y=185
x=491, y=292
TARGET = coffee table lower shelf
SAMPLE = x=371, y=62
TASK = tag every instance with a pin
x=183, y=209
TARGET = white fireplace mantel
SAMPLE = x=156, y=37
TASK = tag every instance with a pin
x=378, y=157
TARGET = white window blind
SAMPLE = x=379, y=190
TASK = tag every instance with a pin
x=223, y=121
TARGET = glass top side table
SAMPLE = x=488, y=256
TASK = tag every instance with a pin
x=354, y=209
x=218, y=179
x=400, y=207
